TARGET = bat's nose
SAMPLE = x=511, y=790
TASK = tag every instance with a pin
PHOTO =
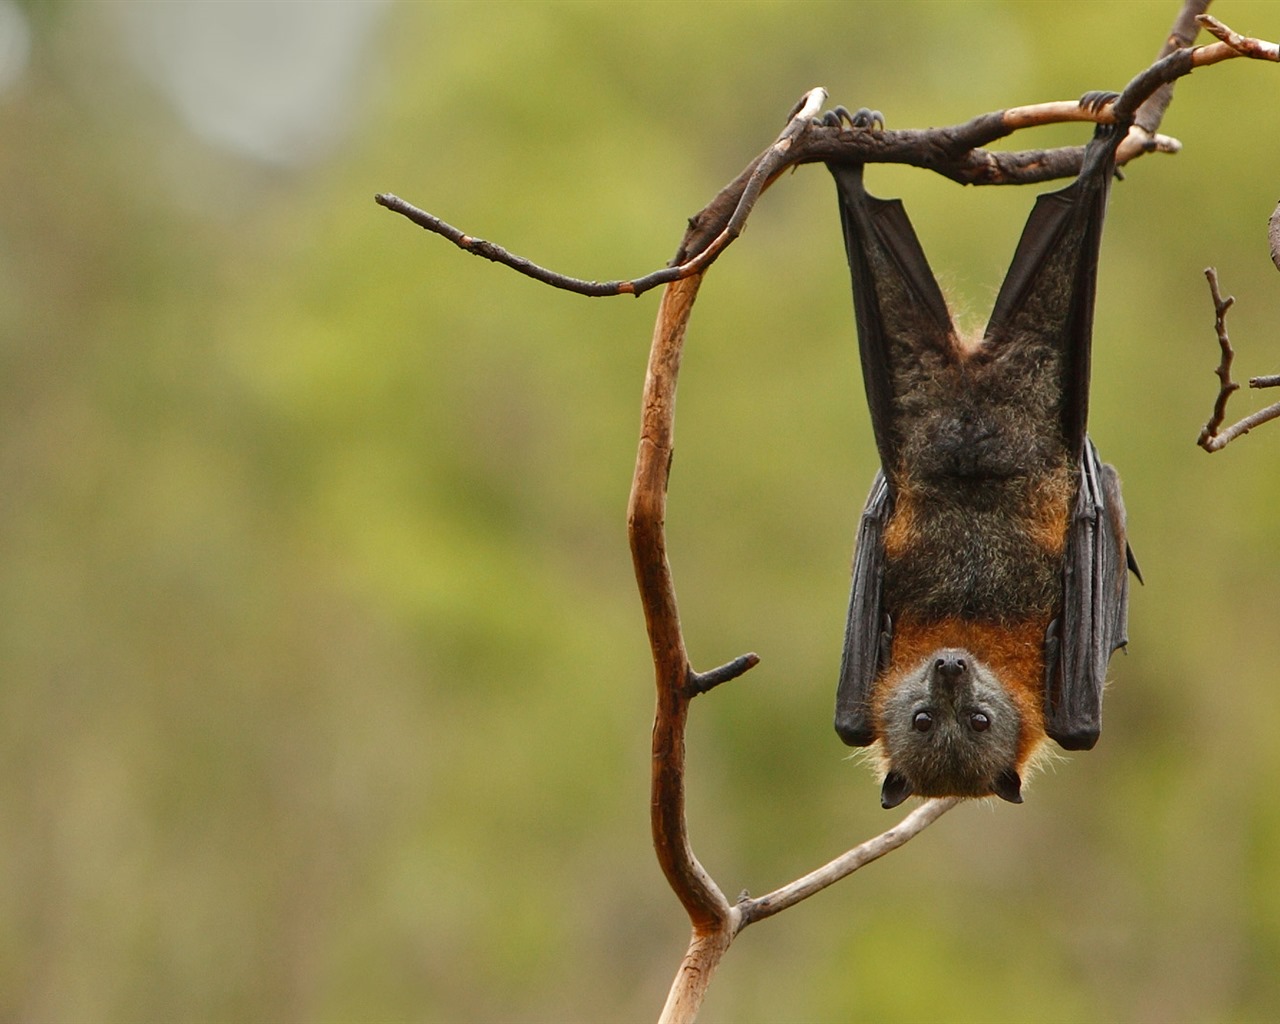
x=950, y=666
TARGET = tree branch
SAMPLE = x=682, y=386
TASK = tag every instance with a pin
x=752, y=910
x=955, y=152
x=714, y=920
x=496, y=253
x=646, y=527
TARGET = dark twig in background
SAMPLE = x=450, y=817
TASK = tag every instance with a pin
x=1226, y=385
x=1211, y=438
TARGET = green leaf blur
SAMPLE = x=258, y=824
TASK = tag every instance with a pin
x=324, y=692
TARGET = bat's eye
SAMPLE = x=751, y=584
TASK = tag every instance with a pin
x=979, y=722
x=922, y=722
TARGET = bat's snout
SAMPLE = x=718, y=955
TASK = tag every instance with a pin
x=950, y=666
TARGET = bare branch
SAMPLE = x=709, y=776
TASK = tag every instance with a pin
x=646, y=518
x=496, y=253
x=1244, y=46
x=693, y=978
x=1256, y=419
x=751, y=910
x=1211, y=439
x=956, y=152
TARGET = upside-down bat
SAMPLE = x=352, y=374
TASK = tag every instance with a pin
x=989, y=583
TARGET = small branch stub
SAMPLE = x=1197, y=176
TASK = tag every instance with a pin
x=701, y=682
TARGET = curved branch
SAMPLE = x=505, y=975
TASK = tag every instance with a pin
x=715, y=922
x=646, y=528
x=955, y=152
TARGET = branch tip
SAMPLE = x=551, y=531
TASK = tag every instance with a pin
x=701, y=682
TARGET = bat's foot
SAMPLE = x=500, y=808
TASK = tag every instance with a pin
x=863, y=119
x=1095, y=101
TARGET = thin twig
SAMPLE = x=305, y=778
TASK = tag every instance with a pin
x=1220, y=441
x=496, y=253
x=1225, y=384
x=1211, y=438
x=752, y=910
x=1245, y=46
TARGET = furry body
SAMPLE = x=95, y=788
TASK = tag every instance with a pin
x=989, y=586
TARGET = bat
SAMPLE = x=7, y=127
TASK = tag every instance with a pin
x=989, y=578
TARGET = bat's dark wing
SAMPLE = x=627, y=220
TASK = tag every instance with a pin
x=900, y=314
x=867, y=633
x=1046, y=301
x=1095, y=607
x=898, y=306
x=1046, y=306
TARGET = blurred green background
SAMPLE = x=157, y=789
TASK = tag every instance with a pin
x=324, y=691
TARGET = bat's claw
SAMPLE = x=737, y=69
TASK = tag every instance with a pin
x=863, y=118
x=1095, y=101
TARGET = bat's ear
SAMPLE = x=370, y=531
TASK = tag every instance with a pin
x=1008, y=786
x=895, y=789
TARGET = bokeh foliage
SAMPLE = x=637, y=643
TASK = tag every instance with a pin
x=323, y=685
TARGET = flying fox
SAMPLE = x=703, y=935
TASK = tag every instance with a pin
x=989, y=579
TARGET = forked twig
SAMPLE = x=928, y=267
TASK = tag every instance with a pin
x=1211, y=438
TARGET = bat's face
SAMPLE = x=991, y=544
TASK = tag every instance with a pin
x=949, y=728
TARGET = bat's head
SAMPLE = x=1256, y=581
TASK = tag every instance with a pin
x=949, y=728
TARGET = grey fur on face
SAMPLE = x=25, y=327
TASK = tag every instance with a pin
x=950, y=729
